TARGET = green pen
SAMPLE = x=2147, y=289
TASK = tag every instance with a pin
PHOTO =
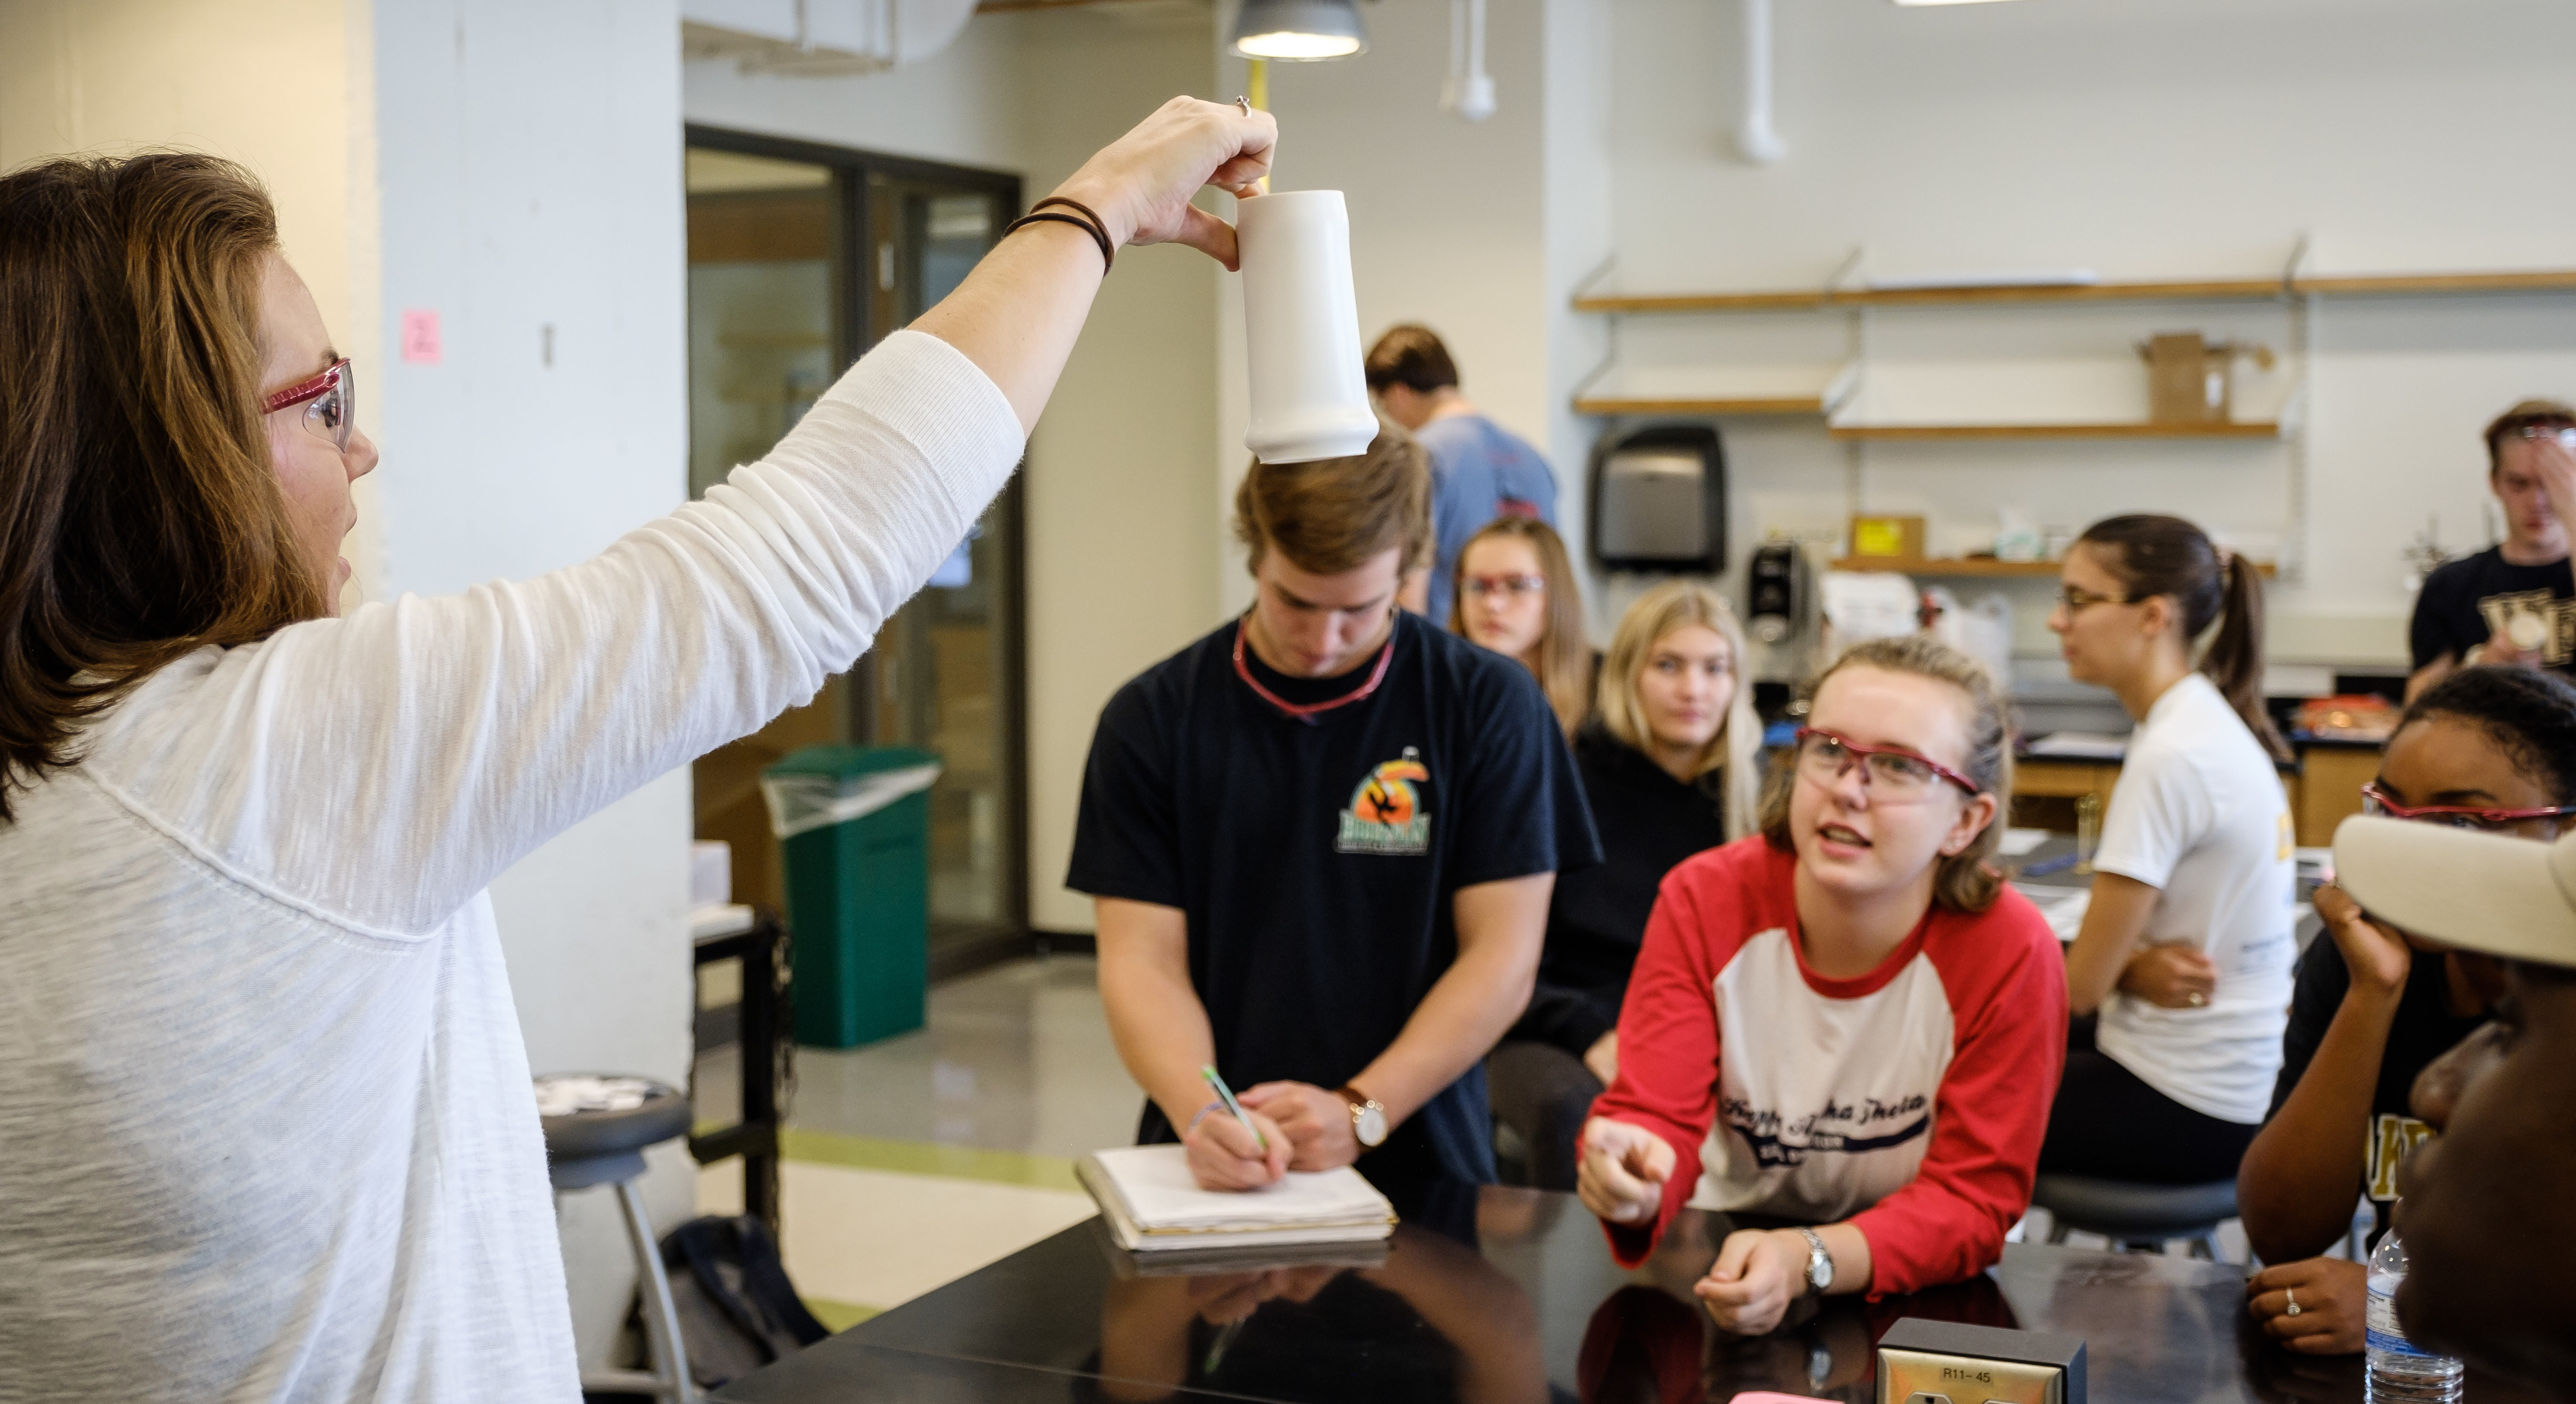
x=1227, y=1094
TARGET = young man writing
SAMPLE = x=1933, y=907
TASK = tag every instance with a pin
x=1321, y=842
x=2510, y=603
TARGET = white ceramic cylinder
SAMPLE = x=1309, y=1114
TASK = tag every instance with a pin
x=1309, y=392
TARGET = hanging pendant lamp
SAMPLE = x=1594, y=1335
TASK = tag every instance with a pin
x=1298, y=29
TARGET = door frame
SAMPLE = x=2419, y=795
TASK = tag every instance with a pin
x=855, y=296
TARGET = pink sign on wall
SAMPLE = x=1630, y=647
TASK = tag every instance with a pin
x=420, y=336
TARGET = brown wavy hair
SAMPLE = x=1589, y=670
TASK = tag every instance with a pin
x=1334, y=514
x=140, y=518
x=1965, y=881
x=1564, y=648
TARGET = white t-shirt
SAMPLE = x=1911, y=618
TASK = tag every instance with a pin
x=2199, y=814
x=269, y=1132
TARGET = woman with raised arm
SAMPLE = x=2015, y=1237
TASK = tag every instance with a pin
x=1847, y=1020
x=268, y=1112
x=2186, y=948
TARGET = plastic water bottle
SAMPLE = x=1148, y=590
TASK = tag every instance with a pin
x=2399, y=1372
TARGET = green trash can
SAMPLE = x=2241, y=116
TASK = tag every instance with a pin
x=854, y=825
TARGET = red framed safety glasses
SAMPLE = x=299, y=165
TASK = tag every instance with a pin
x=2375, y=800
x=1824, y=755
x=330, y=402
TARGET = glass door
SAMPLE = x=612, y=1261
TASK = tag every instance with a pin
x=800, y=258
x=945, y=675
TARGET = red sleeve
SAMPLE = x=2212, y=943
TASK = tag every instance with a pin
x=2006, y=978
x=1669, y=1041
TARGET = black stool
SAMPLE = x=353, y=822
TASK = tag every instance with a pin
x=2136, y=1217
x=604, y=1145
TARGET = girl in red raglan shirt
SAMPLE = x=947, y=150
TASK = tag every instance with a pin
x=1869, y=1019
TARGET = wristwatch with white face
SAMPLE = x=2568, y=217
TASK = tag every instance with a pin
x=1820, y=1264
x=1368, y=1119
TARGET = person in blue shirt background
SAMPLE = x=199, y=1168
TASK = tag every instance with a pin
x=1479, y=469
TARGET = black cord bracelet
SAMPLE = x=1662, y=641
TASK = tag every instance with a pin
x=1108, y=258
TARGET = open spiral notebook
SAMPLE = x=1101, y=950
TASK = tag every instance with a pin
x=1152, y=1205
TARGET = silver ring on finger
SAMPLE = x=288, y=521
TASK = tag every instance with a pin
x=1244, y=103
x=2196, y=999
x=2291, y=1293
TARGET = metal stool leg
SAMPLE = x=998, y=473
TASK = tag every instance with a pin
x=669, y=1378
x=661, y=1317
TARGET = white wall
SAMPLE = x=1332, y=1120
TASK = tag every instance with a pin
x=1118, y=492
x=529, y=158
x=2144, y=139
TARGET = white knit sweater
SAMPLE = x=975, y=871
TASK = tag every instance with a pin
x=265, y=1123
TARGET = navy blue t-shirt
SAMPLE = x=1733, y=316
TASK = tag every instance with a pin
x=1315, y=861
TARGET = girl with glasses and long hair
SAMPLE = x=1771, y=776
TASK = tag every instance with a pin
x=266, y=1102
x=2185, y=950
x=1670, y=768
x=1516, y=594
x=1846, y=1020
x=2492, y=749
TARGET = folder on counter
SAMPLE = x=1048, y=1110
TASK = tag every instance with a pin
x=1153, y=1206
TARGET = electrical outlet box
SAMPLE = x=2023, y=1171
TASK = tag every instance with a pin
x=1950, y=1362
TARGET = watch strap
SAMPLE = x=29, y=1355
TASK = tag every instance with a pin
x=1361, y=1104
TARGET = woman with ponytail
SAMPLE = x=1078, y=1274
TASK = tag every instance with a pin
x=2186, y=950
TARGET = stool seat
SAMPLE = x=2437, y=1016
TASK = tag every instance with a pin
x=2136, y=1215
x=601, y=1137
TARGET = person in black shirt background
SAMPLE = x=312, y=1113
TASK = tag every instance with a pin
x=2491, y=748
x=1321, y=842
x=2514, y=602
x=1669, y=767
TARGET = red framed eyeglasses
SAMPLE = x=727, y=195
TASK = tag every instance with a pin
x=2375, y=800
x=330, y=402
x=1825, y=755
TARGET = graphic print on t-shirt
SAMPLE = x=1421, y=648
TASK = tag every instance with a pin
x=2533, y=619
x=1824, y=1104
x=1834, y=1127
x=1386, y=814
x=2391, y=1137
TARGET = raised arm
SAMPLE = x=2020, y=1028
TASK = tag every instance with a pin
x=2305, y=1167
x=381, y=769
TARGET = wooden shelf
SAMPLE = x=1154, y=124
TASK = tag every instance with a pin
x=2225, y=429
x=1791, y=300
x=1963, y=566
x=2432, y=284
x=1947, y=565
x=1729, y=404
x=2264, y=289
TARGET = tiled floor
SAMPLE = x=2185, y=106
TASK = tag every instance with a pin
x=914, y=1161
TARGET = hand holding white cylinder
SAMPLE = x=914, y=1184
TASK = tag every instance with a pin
x=1302, y=325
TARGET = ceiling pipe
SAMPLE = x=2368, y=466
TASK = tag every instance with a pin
x=1470, y=89
x=1756, y=138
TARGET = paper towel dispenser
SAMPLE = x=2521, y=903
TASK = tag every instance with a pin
x=1659, y=500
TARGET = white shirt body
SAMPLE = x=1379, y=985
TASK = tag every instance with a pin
x=2200, y=815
